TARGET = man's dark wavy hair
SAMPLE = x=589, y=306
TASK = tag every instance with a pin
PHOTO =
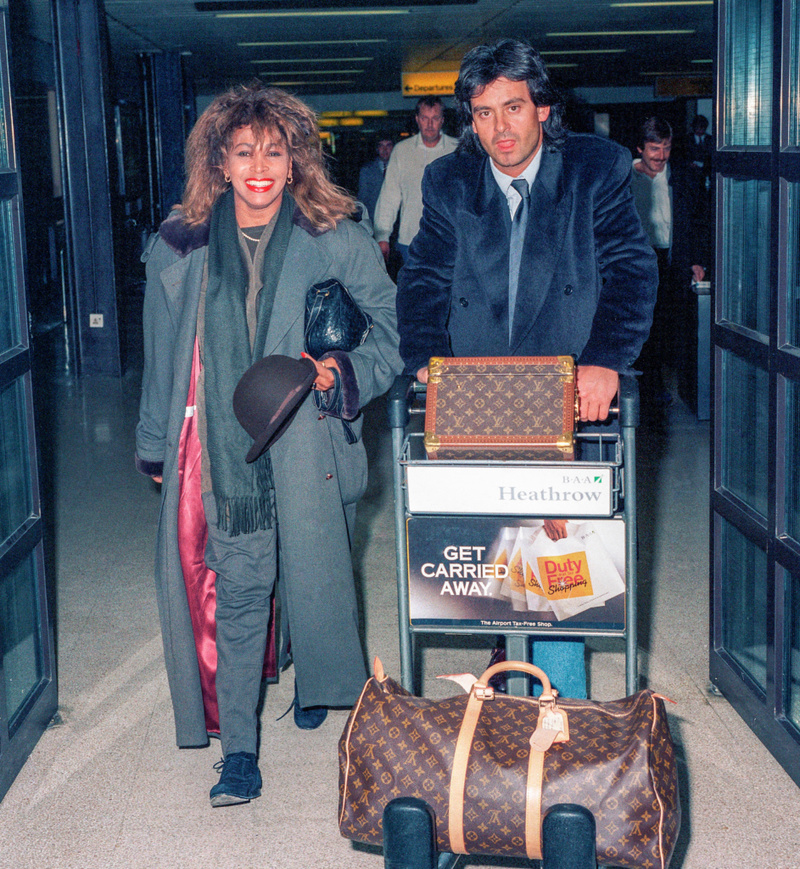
x=514, y=59
x=653, y=129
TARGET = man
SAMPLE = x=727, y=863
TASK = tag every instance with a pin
x=370, y=178
x=665, y=199
x=586, y=276
x=401, y=191
x=701, y=147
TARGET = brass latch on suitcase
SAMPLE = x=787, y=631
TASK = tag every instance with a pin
x=432, y=441
x=435, y=369
x=565, y=443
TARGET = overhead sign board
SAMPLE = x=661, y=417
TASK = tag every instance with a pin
x=422, y=84
x=684, y=86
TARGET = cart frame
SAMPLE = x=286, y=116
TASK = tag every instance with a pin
x=404, y=402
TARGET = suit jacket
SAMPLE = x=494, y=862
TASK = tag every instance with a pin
x=689, y=235
x=370, y=179
x=700, y=153
x=588, y=276
x=318, y=475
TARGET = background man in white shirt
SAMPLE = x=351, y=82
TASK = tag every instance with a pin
x=665, y=200
x=402, y=184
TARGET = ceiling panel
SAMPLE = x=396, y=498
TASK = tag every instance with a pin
x=321, y=52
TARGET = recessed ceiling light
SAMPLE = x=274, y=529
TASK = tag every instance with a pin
x=295, y=83
x=266, y=72
x=285, y=60
x=621, y=33
x=325, y=13
x=667, y=3
x=586, y=51
x=311, y=42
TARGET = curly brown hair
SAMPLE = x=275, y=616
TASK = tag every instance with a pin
x=266, y=110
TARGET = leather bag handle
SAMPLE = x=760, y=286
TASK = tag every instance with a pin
x=531, y=669
x=533, y=809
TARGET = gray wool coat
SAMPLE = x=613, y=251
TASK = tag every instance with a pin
x=318, y=476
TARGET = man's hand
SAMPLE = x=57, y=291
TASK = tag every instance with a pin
x=597, y=387
x=555, y=529
x=422, y=374
x=384, y=246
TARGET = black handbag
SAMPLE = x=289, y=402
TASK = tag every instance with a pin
x=333, y=319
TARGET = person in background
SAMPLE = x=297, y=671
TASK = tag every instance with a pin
x=227, y=277
x=700, y=156
x=529, y=245
x=370, y=177
x=666, y=202
x=700, y=150
x=401, y=192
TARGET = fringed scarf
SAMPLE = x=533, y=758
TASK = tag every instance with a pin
x=244, y=493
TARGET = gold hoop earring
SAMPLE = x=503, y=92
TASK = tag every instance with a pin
x=227, y=178
x=289, y=179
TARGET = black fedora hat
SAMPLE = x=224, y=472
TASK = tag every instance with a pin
x=267, y=396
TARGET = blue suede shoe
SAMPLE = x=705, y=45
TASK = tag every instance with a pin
x=239, y=781
x=309, y=718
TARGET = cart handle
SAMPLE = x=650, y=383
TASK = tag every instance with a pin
x=628, y=401
x=627, y=407
x=401, y=394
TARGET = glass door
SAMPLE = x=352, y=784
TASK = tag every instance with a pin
x=755, y=498
x=27, y=682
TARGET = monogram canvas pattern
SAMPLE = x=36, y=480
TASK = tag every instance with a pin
x=524, y=404
x=619, y=762
x=544, y=452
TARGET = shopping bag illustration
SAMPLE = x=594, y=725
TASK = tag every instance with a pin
x=500, y=554
x=535, y=597
x=575, y=573
x=514, y=585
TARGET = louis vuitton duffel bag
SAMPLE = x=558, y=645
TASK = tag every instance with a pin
x=490, y=765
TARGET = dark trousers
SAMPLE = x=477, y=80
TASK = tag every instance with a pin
x=246, y=567
x=660, y=349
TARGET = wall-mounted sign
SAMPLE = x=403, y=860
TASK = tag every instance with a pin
x=700, y=85
x=422, y=84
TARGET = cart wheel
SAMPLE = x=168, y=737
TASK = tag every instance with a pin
x=409, y=837
x=568, y=838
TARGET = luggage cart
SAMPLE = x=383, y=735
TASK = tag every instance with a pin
x=420, y=494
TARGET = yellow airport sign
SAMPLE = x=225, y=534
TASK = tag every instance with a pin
x=421, y=84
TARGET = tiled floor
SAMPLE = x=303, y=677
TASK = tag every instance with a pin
x=107, y=789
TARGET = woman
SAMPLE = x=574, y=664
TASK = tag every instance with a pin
x=227, y=276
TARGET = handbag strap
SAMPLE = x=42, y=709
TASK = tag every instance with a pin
x=313, y=312
x=458, y=778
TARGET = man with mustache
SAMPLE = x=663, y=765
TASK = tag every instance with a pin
x=666, y=200
x=576, y=276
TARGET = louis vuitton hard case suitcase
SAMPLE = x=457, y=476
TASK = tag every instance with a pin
x=508, y=408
